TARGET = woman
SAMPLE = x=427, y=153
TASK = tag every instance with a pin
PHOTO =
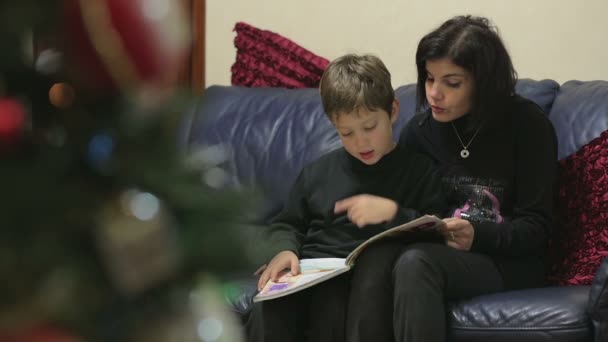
x=497, y=153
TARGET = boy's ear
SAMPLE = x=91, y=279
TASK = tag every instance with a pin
x=395, y=111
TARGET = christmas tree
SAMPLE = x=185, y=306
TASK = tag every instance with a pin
x=109, y=229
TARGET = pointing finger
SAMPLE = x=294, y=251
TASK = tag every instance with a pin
x=344, y=205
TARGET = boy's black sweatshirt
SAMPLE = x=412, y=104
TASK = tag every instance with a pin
x=308, y=226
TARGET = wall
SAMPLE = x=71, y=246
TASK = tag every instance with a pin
x=562, y=40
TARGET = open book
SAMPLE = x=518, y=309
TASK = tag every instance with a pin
x=314, y=271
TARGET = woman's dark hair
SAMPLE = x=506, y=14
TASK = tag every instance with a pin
x=473, y=44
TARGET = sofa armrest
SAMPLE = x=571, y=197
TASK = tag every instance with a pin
x=598, y=302
x=539, y=314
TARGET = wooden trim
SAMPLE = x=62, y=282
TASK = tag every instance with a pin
x=192, y=72
x=197, y=62
x=183, y=76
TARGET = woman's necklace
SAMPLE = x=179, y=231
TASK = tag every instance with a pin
x=464, y=153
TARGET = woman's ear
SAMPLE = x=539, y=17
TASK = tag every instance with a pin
x=395, y=111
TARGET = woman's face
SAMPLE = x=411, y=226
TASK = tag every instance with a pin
x=449, y=89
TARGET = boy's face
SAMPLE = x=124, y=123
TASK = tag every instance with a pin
x=367, y=135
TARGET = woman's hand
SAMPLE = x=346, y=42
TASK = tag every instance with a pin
x=459, y=233
x=281, y=261
x=367, y=209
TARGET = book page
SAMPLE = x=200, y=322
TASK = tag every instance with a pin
x=425, y=223
x=312, y=271
x=320, y=264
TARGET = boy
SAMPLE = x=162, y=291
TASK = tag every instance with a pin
x=344, y=198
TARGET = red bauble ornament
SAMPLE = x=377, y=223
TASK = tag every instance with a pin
x=126, y=44
x=12, y=120
x=42, y=333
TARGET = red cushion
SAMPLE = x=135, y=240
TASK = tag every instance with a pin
x=581, y=240
x=267, y=59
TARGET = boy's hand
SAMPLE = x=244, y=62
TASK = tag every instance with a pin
x=459, y=233
x=367, y=209
x=281, y=261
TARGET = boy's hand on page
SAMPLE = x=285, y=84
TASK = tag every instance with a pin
x=367, y=209
x=280, y=262
x=459, y=233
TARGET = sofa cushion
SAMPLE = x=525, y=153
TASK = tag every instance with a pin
x=581, y=240
x=407, y=106
x=577, y=121
x=542, y=314
x=269, y=135
x=545, y=314
x=598, y=302
x=542, y=92
x=265, y=58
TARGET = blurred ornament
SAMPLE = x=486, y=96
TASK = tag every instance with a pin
x=138, y=242
x=62, y=95
x=12, y=120
x=55, y=136
x=216, y=323
x=132, y=46
x=48, y=61
x=194, y=314
x=42, y=333
x=211, y=162
x=99, y=152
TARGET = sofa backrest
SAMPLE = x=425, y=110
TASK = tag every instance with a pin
x=580, y=242
x=271, y=133
x=268, y=133
x=579, y=114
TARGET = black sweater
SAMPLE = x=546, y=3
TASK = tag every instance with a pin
x=307, y=224
x=506, y=185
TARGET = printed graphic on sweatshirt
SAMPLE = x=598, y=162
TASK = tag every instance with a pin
x=478, y=199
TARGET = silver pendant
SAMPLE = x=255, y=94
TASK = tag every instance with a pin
x=464, y=153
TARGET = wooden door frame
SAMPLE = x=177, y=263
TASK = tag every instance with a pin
x=192, y=74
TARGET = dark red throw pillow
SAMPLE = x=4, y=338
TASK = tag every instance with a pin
x=267, y=59
x=581, y=240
